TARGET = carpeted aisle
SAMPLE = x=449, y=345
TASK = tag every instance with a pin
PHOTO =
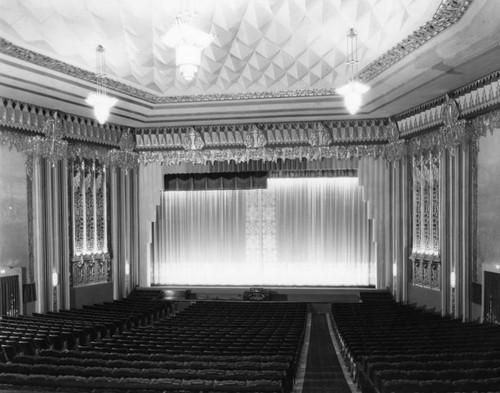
x=323, y=372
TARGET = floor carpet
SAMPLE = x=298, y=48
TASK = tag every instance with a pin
x=323, y=372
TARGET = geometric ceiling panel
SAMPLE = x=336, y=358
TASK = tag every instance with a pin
x=263, y=45
x=270, y=60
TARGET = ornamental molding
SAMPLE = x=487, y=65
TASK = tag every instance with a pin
x=29, y=118
x=448, y=13
x=276, y=134
x=392, y=132
x=319, y=136
x=395, y=151
x=192, y=140
x=241, y=155
x=54, y=148
x=450, y=136
x=124, y=158
x=472, y=100
x=255, y=138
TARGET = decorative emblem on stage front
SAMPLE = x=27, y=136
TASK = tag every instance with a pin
x=193, y=140
x=319, y=136
x=255, y=138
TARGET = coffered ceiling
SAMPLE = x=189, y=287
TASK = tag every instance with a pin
x=270, y=60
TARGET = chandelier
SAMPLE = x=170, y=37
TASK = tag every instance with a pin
x=188, y=42
x=354, y=88
x=99, y=100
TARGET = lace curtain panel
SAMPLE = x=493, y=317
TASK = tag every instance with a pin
x=309, y=231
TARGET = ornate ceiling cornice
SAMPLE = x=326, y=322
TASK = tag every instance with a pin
x=472, y=100
x=449, y=12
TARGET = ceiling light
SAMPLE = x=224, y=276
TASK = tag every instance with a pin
x=188, y=42
x=99, y=100
x=354, y=89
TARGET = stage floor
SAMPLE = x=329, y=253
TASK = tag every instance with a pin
x=278, y=293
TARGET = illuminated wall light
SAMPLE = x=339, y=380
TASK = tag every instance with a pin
x=127, y=268
x=395, y=269
x=452, y=279
x=2, y=271
x=497, y=266
x=55, y=279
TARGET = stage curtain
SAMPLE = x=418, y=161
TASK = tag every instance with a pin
x=312, y=231
x=9, y=295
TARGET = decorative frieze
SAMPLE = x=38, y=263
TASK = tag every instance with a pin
x=33, y=119
x=276, y=134
x=480, y=95
x=240, y=155
x=50, y=140
x=93, y=269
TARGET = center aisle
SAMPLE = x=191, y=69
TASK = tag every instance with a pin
x=323, y=371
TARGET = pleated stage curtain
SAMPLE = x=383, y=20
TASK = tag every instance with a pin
x=9, y=295
x=311, y=231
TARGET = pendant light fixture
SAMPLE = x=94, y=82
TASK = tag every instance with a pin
x=99, y=100
x=188, y=42
x=354, y=89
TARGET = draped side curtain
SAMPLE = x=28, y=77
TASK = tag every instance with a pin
x=312, y=231
x=9, y=295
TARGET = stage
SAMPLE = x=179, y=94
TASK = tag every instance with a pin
x=278, y=293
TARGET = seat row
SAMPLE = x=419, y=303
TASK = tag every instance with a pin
x=391, y=347
x=161, y=355
x=68, y=329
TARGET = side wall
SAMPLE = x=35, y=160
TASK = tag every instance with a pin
x=13, y=209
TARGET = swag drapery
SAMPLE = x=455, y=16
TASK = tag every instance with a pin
x=305, y=231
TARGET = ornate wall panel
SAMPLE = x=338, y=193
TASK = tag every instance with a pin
x=425, y=257
x=89, y=208
x=78, y=210
x=91, y=263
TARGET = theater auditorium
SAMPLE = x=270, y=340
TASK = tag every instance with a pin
x=283, y=196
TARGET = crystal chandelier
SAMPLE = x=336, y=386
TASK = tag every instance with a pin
x=99, y=100
x=188, y=42
x=354, y=89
